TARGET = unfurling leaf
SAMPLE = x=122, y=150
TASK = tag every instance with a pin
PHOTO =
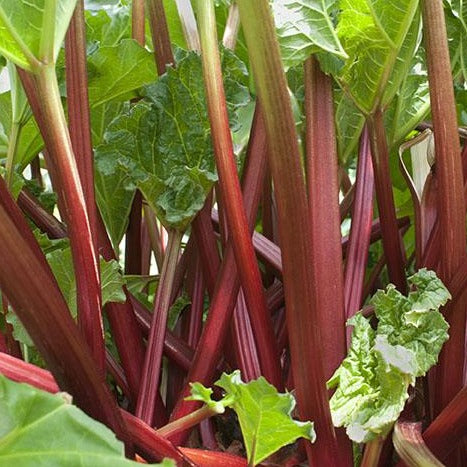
x=373, y=379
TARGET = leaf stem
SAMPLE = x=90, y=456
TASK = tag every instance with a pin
x=451, y=202
x=392, y=244
x=229, y=185
x=294, y=227
x=372, y=452
x=70, y=191
x=187, y=422
x=152, y=364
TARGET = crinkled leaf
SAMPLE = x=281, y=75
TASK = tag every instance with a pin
x=116, y=72
x=165, y=146
x=112, y=282
x=370, y=392
x=374, y=34
x=373, y=379
x=38, y=428
x=264, y=416
x=27, y=29
x=305, y=27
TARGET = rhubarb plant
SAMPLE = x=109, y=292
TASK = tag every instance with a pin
x=227, y=146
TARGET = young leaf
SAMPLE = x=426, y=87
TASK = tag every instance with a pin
x=305, y=27
x=41, y=428
x=374, y=33
x=264, y=416
x=373, y=379
x=31, y=32
x=111, y=280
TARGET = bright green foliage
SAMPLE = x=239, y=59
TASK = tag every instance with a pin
x=115, y=72
x=106, y=28
x=264, y=414
x=164, y=143
x=410, y=106
x=305, y=27
x=38, y=428
x=29, y=142
x=456, y=23
x=33, y=31
x=373, y=379
x=111, y=280
x=203, y=394
x=380, y=38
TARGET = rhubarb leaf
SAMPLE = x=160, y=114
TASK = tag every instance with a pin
x=116, y=72
x=164, y=144
x=114, y=199
x=373, y=379
x=380, y=38
x=31, y=32
x=456, y=24
x=305, y=27
x=264, y=416
x=111, y=280
x=38, y=428
x=203, y=394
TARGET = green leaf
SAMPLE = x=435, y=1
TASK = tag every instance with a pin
x=305, y=27
x=107, y=27
x=30, y=141
x=114, y=199
x=456, y=24
x=32, y=32
x=62, y=266
x=380, y=38
x=116, y=72
x=176, y=310
x=38, y=428
x=264, y=416
x=203, y=394
x=373, y=379
x=164, y=144
x=411, y=104
x=349, y=125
